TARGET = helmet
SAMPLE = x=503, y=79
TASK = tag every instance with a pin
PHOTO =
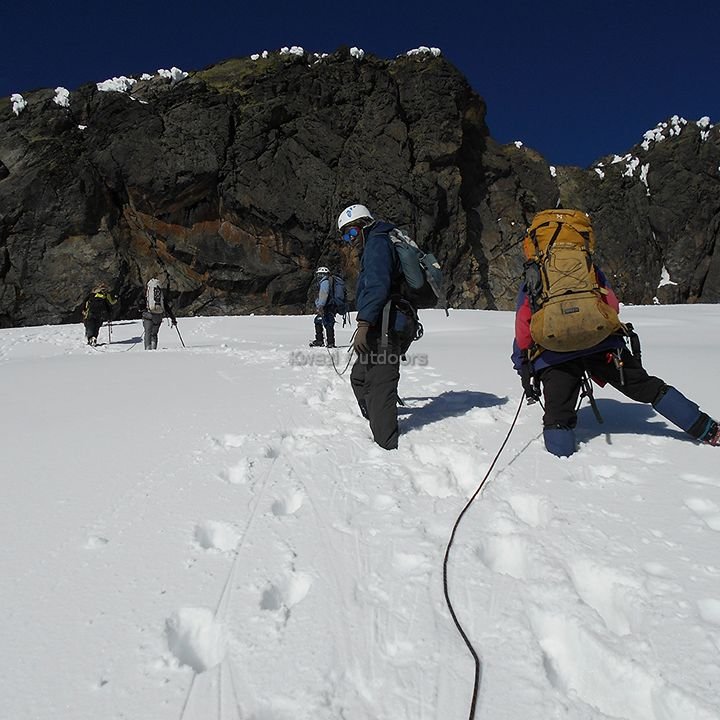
x=322, y=271
x=354, y=214
x=101, y=287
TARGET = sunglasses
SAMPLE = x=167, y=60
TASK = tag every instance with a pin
x=350, y=234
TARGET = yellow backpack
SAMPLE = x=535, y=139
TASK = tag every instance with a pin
x=568, y=309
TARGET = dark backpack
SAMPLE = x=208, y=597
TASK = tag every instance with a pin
x=423, y=285
x=337, y=297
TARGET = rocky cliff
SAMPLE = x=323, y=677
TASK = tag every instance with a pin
x=227, y=182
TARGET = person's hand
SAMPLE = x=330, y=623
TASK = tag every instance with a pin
x=532, y=391
x=360, y=343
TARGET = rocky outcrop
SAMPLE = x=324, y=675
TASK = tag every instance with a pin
x=227, y=183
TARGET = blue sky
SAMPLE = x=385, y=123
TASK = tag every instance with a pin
x=574, y=80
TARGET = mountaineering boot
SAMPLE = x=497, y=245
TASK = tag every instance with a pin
x=712, y=436
x=559, y=440
x=318, y=341
x=92, y=341
x=684, y=413
x=331, y=337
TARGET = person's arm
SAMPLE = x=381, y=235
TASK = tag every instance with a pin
x=169, y=311
x=609, y=295
x=323, y=294
x=378, y=261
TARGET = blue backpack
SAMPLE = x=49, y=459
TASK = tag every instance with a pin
x=338, y=296
x=423, y=284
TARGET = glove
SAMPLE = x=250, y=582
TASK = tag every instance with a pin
x=527, y=377
x=360, y=343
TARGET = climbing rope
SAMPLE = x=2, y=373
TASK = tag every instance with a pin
x=463, y=634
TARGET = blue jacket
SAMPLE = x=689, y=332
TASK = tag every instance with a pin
x=323, y=292
x=380, y=273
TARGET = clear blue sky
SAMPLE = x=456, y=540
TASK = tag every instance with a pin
x=574, y=80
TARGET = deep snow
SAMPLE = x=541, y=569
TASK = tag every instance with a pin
x=210, y=532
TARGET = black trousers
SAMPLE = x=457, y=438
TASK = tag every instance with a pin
x=374, y=380
x=561, y=384
x=92, y=327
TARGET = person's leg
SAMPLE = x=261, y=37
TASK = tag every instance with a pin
x=154, y=329
x=318, y=341
x=329, y=323
x=92, y=328
x=357, y=383
x=147, y=332
x=668, y=401
x=561, y=387
x=381, y=393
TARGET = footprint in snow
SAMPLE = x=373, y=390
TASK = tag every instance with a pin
x=706, y=510
x=216, y=536
x=241, y=473
x=195, y=638
x=412, y=563
x=288, y=504
x=615, y=596
x=230, y=441
x=533, y=510
x=95, y=542
x=577, y=663
x=506, y=554
x=287, y=593
x=709, y=609
x=700, y=480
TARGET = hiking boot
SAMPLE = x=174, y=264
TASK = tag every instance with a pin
x=712, y=436
x=330, y=344
x=317, y=343
x=92, y=341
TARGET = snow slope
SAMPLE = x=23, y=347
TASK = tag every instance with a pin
x=209, y=532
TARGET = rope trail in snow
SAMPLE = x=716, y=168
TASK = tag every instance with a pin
x=473, y=652
x=224, y=599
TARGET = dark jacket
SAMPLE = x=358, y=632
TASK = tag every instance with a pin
x=100, y=305
x=523, y=340
x=380, y=273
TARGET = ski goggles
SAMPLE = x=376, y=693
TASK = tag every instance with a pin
x=350, y=234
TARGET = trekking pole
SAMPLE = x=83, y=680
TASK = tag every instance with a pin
x=109, y=332
x=179, y=335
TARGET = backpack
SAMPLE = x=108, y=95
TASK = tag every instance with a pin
x=154, y=297
x=337, y=296
x=422, y=284
x=568, y=309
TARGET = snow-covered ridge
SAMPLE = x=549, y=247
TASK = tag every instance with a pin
x=663, y=131
x=125, y=84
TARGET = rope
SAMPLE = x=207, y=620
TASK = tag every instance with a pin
x=351, y=352
x=473, y=652
x=347, y=364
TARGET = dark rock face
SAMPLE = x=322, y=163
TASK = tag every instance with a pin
x=227, y=185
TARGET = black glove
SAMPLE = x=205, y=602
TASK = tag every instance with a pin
x=360, y=343
x=527, y=377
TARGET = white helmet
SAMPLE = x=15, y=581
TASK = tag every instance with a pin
x=322, y=271
x=357, y=214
